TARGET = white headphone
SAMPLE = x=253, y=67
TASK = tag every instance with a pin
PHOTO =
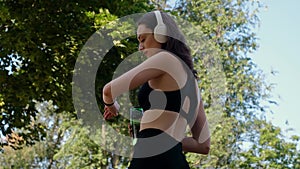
x=160, y=30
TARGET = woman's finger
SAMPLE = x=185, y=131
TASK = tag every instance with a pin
x=106, y=115
x=109, y=115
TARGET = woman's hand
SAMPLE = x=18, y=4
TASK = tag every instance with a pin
x=111, y=111
x=200, y=140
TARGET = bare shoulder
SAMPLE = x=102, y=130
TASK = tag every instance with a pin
x=167, y=55
x=165, y=58
x=174, y=76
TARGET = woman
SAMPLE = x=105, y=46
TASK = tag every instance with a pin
x=169, y=96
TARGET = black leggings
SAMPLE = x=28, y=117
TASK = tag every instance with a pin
x=171, y=158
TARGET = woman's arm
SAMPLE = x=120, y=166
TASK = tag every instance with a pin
x=124, y=83
x=200, y=140
x=151, y=68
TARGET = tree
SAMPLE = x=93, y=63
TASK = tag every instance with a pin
x=66, y=145
x=40, y=42
x=270, y=149
x=41, y=154
x=38, y=50
x=230, y=25
x=37, y=66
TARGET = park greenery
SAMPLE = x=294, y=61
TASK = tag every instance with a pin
x=41, y=40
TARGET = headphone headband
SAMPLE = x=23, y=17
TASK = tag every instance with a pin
x=160, y=31
x=159, y=18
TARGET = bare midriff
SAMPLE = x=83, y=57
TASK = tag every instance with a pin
x=168, y=121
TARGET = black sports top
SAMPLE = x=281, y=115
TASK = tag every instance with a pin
x=150, y=98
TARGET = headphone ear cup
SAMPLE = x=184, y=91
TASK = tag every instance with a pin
x=160, y=32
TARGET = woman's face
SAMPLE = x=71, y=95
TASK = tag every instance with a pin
x=147, y=44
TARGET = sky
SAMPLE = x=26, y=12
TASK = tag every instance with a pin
x=279, y=40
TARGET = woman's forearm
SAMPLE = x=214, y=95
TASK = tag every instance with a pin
x=107, y=94
x=189, y=144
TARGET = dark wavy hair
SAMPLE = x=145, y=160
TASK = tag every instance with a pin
x=176, y=43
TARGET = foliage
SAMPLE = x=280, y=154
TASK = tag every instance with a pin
x=41, y=40
x=67, y=145
x=238, y=85
x=269, y=149
x=39, y=46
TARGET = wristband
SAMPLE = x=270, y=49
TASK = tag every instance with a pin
x=106, y=104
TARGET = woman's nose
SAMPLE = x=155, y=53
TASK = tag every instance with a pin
x=141, y=47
